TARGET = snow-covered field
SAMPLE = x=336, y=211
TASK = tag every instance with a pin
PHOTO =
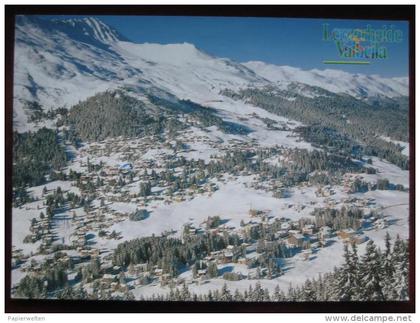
x=232, y=203
x=323, y=260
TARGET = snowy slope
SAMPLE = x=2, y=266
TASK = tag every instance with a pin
x=91, y=28
x=58, y=63
x=186, y=71
x=358, y=85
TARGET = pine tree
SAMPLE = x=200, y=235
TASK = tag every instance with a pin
x=400, y=277
x=212, y=270
x=225, y=295
x=388, y=269
x=185, y=293
x=308, y=292
x=258, y=294
x=266, y=295
x=371, y=274
x=355, y=274
x=343, y=284
x=194, y=270
x=237, y=297
x=277, y=296
x=347, y=281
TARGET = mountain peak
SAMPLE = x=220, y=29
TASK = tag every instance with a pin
x=88, y=29
x=336, y=81
x=92, y=27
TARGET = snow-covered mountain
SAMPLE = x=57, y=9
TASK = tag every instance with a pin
x=337, y=81
x=91, y=28
x=60, y=62
x=168, y=138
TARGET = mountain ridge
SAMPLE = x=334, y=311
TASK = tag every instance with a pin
x=336, y=81
x=62, y=61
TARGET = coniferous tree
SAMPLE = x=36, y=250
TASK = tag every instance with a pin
x=31, y=287
x=387, y=268
x=355, y=274
x=343, y=283
x=225, y=295
x=400, y=276
x=371, y=283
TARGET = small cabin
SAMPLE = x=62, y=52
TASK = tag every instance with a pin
x=295, y=240
x=346, y=234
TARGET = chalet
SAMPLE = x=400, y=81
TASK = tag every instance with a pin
x=245, y=245
x=180, y=198
x=346, y=234
x=325, y=232
x=123, y=288
x=139, y=268
x=45, y=223
x=33, y=237
x=249, y=226
x=107, y=280
x=76, y=259
x=380, y=224
x=85, y=254
x=143, y=279
x=253, y=275
x=108, y=268
x=36, y=268
x=295, y=240
x=49, y=259
x=64, y=260
x=298, y=240
x=34, y=227
x=243, y=261
x=80, y=241
x=208, y=258
x=112, y=172
x=164, y=279
x=125, y=167
x=281, y=234
x=73, y=276
x=215, y=254
x=114, y=286
x=227, y=257
x=268, y=243
x=254, y=212
x=202, y=272
x=285, y=226
x=308, y=229
x=158, y=272
x=295, y=225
